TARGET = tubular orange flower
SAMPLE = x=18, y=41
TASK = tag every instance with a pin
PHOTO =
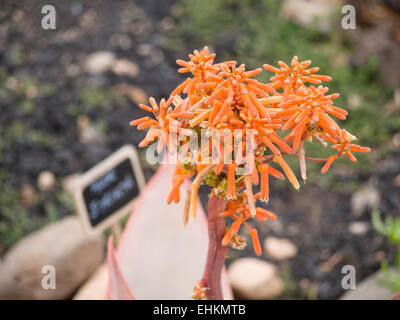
x=306, y=112
x=256, y=242
x=195, y=187
x=263, y=169
x=289, y=173
x=261, y=212
x=224, y=96
x=327, y=165
x=302, y=162
x=231, y=181
x=161, y=127
x=179, y=177
x=294, y=76
x=250, y=197
x=221, y=98
x=232, y=231
x=343, y=146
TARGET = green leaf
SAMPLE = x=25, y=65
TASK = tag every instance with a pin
x=378, y=224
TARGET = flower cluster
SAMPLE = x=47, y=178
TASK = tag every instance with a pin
x=224, y=97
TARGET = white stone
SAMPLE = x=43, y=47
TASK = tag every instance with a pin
x=396, y=140
x=63, y=245
x=358, y=228
x=136, y=94
x=279, y=249
x=396, y=180
x=369, y=289
x=255, y=279
x=125, y=67
x=308, y=12
x=99, y=62
x=46, y=180
x=367, y=197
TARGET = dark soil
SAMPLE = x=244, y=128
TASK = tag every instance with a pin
x=316, y=219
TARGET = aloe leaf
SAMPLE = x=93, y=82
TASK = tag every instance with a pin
x=157, y=256
x=118, y=288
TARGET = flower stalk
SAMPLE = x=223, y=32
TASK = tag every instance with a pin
x=216, y=251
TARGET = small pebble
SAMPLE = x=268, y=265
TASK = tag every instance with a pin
x=27, y=195
x=367, y=197
x=46, y=180
x=396, y=180
x=358, y=228
x=125, y=67
x=255, y=279
x=279, y=249
x=99, y=62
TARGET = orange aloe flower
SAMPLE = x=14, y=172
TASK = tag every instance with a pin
x=240, y=212
x=180, y=174
x=292, y=77
x=223, y=97
x=307, y=114
x=266, y=170
x=161, y=127
x=343, y=146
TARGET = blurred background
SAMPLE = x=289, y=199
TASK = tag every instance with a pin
x=67, y=96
